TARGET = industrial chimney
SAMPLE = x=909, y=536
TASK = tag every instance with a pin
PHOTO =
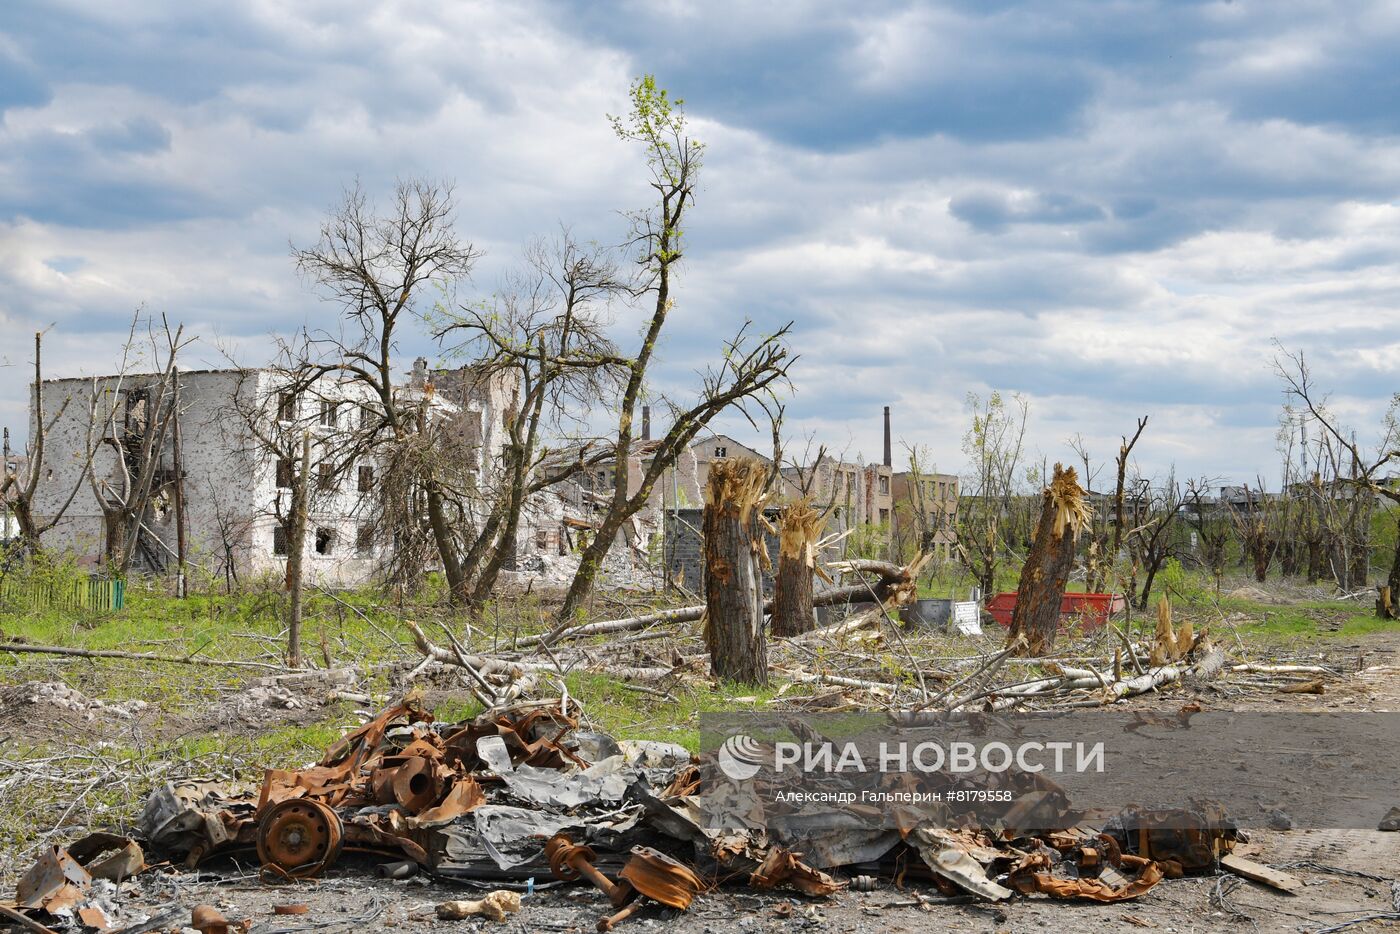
x=889, y=454
x=646, y=423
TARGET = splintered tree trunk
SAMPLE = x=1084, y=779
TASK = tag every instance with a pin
x=1036, y=617
x=799, y=528
x=734, y=557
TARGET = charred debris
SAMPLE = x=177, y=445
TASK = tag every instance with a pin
x=520, y=799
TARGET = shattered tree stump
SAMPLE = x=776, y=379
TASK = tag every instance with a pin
x=1036, y=618
x=734, y=558
x=799, y=527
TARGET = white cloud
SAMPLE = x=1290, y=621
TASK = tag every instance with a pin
x=1137, y=256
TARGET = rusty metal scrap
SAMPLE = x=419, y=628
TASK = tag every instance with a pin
x=299, y=837
x=1184, y=840
x=516, y=792
x=206, y=919
x=1041, y=872
x=569, y=862
x=108, y=856
x=61, y=880
x=53, y=883
x=661, y=878
x=782, y=867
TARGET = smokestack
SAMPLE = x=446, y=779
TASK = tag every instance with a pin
x=646, y=423
x=889, y=454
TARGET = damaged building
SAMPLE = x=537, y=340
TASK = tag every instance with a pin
x=197, y=469
x=201, y=466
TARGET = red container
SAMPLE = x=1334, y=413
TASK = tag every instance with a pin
x=1089, y=610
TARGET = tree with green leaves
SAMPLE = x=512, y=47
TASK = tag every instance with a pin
x=751, y=369
x=994, y=445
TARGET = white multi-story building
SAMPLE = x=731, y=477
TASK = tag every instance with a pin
x=240, y=432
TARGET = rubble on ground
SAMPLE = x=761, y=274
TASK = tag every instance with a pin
x=57, y=694
x=521, y=795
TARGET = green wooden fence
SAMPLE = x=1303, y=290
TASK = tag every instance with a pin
x=92, y=594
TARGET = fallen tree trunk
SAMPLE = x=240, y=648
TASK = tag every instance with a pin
x=1284, y=669
x=894, y=582
x=868, y=566
x=22, y=647
x=734, y=555
x=485, y=666
x=1072, y=679
x=1035, y=620
x=685, y=614
x=807, y=677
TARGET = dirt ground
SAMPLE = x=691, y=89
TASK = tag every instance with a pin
x=352, y=898
x=1333, y=865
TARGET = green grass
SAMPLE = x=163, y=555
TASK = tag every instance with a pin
x=626, y=714
x=249, y=626
x=1315, y=619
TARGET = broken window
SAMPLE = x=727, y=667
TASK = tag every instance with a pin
x=721, y=452
x=136, y=415
x=542, y=539
x=287, y=407
x=365, y=479
x=325, y=541
x=328, y=411
x=884, y=484
x=284, y=473
x=364, y=540
x=279, y=539
x=884, y=516
x=325, y=476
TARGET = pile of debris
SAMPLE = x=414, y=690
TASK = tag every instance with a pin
x=520, y=794
x=57, y=694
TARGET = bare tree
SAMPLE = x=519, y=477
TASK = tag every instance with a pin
x=546, y=335
x=1355, y=469
x=1120, y=518
x=1153, y=536
x=20, y=479
x=751, y=365
x=1211, y=524
x=376, y=267
x=140, y=480
x=921, y=516
x=1253, y=522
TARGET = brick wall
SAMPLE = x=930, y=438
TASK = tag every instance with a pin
x=684, y=555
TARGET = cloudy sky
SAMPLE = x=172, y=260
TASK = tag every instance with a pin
x=1110, y=206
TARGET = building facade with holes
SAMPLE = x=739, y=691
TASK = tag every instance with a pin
x=225, y=458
